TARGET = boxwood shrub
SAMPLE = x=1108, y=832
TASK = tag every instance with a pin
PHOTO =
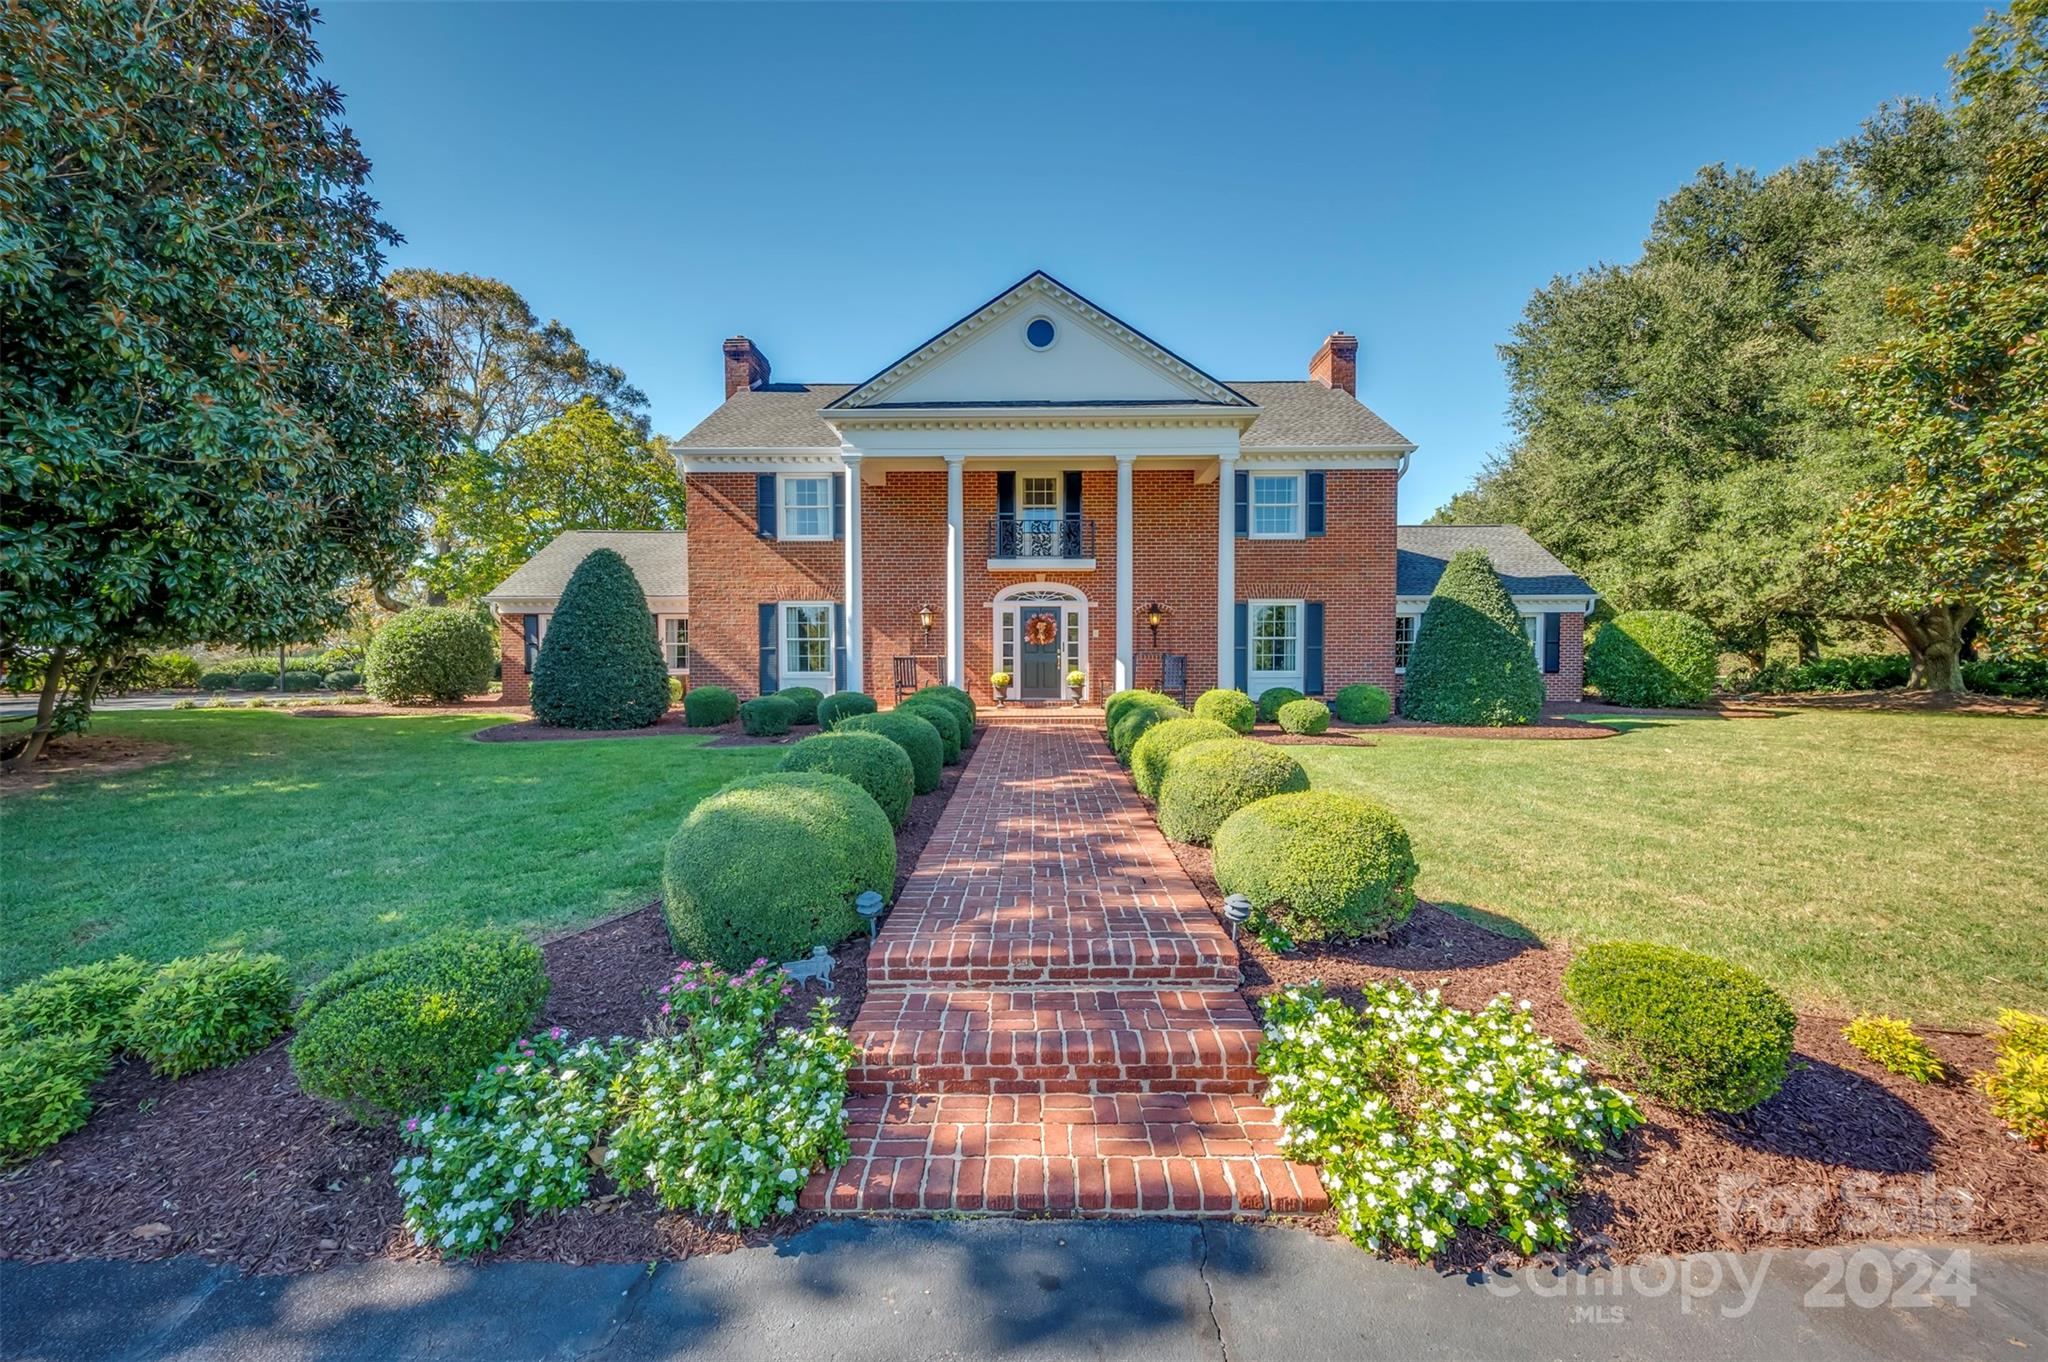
x=256, y=681
x=767, y=716
x=1135, y=719
x=841, y=704
x=394, y=1032
x=301, y=680
x=956, y=695
x=769, y=866
x=208, y=1010
x=1471, y=664
x=805, y=700
x=219, y=680
x=1321, y=864
x=431, y=652
x=1304, y=716
x=600, y=663
x=944, y=718
x=1272, y=698
x=912, y=732
x=1206, y=782
x=1688, y=1029
x=1120, y=704
x=963, y=710
x=869, y=760
x=1232, y=707
x=1363, y=704
x=344, y=679
x=1653, y=658
x=709, y=706
x=46, y=1090
x=1151, y=753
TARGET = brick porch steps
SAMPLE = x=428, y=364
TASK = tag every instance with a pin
x=1057, y=1041
x=1005, y=948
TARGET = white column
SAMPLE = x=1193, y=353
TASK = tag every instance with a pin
x=1126, y=659
x=1226, y=569
x=956, y=574
x=855, y=633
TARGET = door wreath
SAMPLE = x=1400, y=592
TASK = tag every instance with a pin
x=1040, y=630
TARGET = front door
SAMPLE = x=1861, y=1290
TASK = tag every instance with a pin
x=1038, y=652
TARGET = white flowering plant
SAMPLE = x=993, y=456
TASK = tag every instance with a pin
x=1425, y=1119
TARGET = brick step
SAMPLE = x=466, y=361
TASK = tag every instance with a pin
x=1200, y=957
x=1056, y=1041
x=1065, y=1154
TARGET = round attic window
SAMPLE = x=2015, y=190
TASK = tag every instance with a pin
x=1040, y=333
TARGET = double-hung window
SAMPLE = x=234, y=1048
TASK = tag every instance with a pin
x=1404, y=640
x=806, y=507
x=807, y=644
x=1532, y=629
x=1276, y=505
x=675, y=642
x=1275, y=629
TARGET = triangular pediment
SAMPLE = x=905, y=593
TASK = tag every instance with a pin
x=1038, y=344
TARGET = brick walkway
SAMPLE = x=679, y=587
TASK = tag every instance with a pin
x=1052, y=1022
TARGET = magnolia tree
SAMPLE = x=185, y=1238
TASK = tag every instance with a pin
x=215, y=420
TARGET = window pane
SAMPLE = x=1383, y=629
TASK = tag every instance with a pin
x=1273, y=638
x=807, y=507
x=1274, y=504
x=1532, y=629
x=1009, y=661
x=809, y=645
x=1039, y=494
x=1073, y=640
x=1404, y=640
x=675, y=638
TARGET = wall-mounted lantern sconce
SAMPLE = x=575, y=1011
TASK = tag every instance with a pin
x=1155, y=617
x=924, y=618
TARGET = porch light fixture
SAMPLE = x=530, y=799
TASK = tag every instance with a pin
x=1155, y=617
x=924, y=617
x=1237, y=910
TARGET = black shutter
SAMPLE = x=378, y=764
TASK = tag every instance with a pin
x=1006, y=494
x=1553, y=625
x=1311, y=647
x=1244, y=506
x=532, y=632
x=839, y=503
x=1071, y=495
x=839, y=671
x=1312, y=496
x=1244, y=646
x=764, y=505
x=771, y=670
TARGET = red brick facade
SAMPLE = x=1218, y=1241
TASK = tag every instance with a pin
x=515, y=687
x=1567, y=685
x=1350, y=569
x=733, y=570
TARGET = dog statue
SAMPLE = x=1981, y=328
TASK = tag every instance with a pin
x=818, y=967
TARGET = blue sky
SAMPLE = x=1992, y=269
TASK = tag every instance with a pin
x=838, y=182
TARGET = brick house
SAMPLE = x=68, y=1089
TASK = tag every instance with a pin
x=1040, y=488
x=524, y=601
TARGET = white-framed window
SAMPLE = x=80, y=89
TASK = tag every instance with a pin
x=1276, y=506
x=1073, y=645
x=1532, y=629
x=1038, y=496
x=675, y=642
x=1404, y=640
x=1007, y=652
x=1274, y=638
x=806, y=506
x=807, y=644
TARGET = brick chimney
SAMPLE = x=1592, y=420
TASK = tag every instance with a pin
x=1335, y=364
x=745, y=365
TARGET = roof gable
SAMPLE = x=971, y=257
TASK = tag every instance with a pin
x=1525, y=567
x=984, y=360
x=659, y=559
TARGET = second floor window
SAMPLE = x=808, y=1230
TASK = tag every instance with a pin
x=1038, y=498
x=1276, y=505
x=807, y=508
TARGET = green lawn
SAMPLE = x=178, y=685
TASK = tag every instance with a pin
x=323, y=838
x=1857, y=860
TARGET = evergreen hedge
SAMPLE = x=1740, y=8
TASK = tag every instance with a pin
x=709, y=706
x=1151, y=754
x=431, y=652
x=943, y=717
x=1653, y=658
x=1322, y=864
x=842, y=704
x=804, y=702
x=916, y=735
x=767, y=716
x=869, y=760
x=1304, y=716
x=1363, y=704
x=600, y=664
x=1471, y=664
x=1232, y=707
x=1273, y=698
x=1206, y=782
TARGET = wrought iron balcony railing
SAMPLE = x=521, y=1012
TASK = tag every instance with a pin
x=1029, y=536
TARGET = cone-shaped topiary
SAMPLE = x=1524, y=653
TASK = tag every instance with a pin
x=1653, y=658
x=600, y=664
x=1472, y=664
x=431, y=652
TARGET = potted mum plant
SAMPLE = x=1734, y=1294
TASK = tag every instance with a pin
x=1076, y=680
x=999, y=685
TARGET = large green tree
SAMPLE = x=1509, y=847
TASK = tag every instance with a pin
x=212, y=419
x=583, y=470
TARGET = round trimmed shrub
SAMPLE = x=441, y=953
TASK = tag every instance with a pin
x=1149, y=755
x=1363, y=704
x=207, y=1010
x=430, y=652
x=951, y=698
x=600, y=664
x=302, y=680
x=1304, y=716
x=1231, y=707
x=942, y=717
x=392, y=1033
x=1120, y=704
x=916, y=735
x=344, y=679
x=709, y=706
x=1471, y=664
x=1688, y=1029
x=256, y=681
x=769, y=866
x=1136, y=719
x=1206, y=782
x=842, y=704
x=219, y=680
x=1323, y=864
x=1273, y=697
x=1653, y=658
x=805, y=700
x=869, y=760
x=767, y=716
x=955, y=694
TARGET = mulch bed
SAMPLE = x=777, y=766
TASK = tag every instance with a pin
x=1844, y=1152
x=238, y=1166
x=85, y=755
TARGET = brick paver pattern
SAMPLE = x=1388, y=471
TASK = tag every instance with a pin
x=1052, y=1023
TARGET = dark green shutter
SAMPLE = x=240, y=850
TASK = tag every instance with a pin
x=532, y=632
x=771, y=670
x=764, y=505
x=1553, y=625
x=839, y=673
x=1006, y=494
x=1244, y=645
x=1312, y=515
x=1311, y=647
x=839, y=503
x=1244, y=508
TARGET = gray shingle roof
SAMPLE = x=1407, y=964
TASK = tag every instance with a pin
x=1526, y=568
x=1299, y=414
x=657, y=557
